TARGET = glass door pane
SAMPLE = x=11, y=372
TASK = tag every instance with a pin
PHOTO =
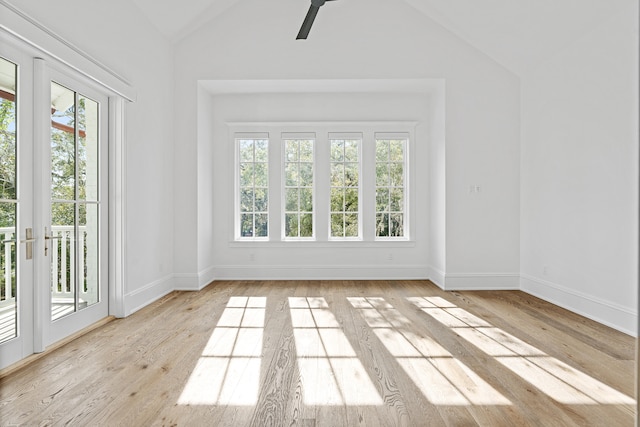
x=63, y=195
x=74, y=202
x=8, y=202
x=88, y=201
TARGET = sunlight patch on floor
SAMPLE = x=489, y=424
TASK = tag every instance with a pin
x=228, y=372
x=441, y=378
x=331, y=373
x=229, y=368
x=556, y=379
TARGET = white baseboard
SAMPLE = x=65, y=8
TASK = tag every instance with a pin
x=481, y=281
x=315, y=272
x=206, y=276
x=436, y=276
x=186, y=281
x=611, y=314
x=194, y=282
x=622, y=318
x=149, y=293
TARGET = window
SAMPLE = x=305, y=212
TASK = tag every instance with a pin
x=326, y=183
x=253, y=180
x=298, y=188
x=390, y=186
x=345, y=188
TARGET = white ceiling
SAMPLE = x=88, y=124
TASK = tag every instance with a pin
x=178, y=18
x=515, y=33
x=519, y=33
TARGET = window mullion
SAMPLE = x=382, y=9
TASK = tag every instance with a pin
x=274, y=190
x=322, y=174
x=368, y=185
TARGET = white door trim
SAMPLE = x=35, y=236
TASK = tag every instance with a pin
x=117, y=206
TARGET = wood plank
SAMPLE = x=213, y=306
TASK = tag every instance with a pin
x=560, y=342
x=394, y=365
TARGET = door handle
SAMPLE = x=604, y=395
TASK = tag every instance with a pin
x=29, y=239
x=48, y=237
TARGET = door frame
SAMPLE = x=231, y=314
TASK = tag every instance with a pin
x=18, y=32
x=23, y=342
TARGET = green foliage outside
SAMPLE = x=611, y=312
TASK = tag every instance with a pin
x=254, y=188
x=345, y=182
x=8, y=191
x=7, y=151
x=390, y=160
x=64, y=190
x=63, y=176
x=298, y=169
x=63, y=166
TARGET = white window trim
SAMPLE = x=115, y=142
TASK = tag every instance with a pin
x=367, y=208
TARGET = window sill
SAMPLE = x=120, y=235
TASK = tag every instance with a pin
x=324, y=244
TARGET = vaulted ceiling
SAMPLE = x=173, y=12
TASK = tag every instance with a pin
x=515, y=33
x=178, y=18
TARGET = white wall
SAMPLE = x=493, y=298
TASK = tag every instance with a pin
x=437, y=188
x=119, y=36
x=304, y=260
x=256, y=40
x=580, y=174
x=207, y=200
x=569, y=228
x=482, y=149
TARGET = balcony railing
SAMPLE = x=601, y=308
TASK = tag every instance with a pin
x=63, y=263
x=7, y=291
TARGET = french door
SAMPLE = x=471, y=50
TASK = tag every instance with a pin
x=53, y=204
x=75, y=206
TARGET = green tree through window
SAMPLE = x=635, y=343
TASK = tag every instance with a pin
x=8, y=183
x=390, y=187
x=254, y=187
x=345, y=188
x=298, y=188
x=345, y=185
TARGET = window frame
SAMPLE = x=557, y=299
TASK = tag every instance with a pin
x=358, y=136
x=237, y=188
x=284, y=137
x=396, y=136
x=321, y=180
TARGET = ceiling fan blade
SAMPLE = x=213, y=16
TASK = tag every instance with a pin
x=308, y=22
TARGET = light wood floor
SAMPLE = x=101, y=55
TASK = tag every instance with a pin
x=333, y=353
